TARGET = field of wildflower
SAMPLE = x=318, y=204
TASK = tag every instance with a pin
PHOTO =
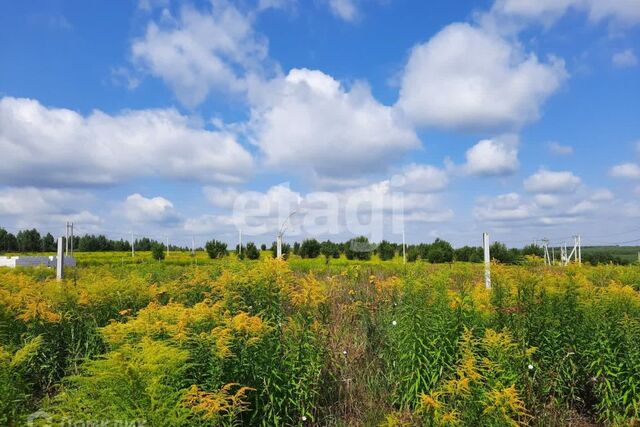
x=196, y=342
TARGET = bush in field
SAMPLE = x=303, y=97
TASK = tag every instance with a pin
x=533, y=249
x=286, y=249
x=158, y=251
x=359, y=249
x=412, y=254
x=501, y=253
x=329, y=250
x=251, y=251
x=386, y=250
x=216, y=249
x=310, y=248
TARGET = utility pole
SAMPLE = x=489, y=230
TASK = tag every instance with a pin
x=66, y=239
x=579, y=250
x=72, y=239
x=283, y=228
x=133, y=244
x=239, y=242
x=545, y=245
x=553, y=252
x=487, y=261
x=193, y=245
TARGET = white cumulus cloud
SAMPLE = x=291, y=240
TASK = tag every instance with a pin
x=307, y=121
x=56, y=146
x=546, y=181
x=140, y=209
x=493, y=157
x=422, y=179
x=468, y=78
x=202, y=51
x=626, y=170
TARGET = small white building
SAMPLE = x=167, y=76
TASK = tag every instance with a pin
x=33, y=261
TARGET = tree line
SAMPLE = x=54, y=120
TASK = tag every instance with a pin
x=32, y=241
x=359, y=248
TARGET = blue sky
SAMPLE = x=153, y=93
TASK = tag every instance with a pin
x=156, y=117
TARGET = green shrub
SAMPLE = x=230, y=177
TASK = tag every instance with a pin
x=216, y=249
x=157, y=251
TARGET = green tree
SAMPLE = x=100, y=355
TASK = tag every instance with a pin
x=469, y=254
x=412, y=254
x=359, y=249
x=252, y=251
x=8, y=241
x=29, y=240
x=49, y=243
x=157, y=251
x=216, y=249
x=533, y=249
x=386, y=250
x=310, y=248
x=440, y=251
x=501, y=253
x=329, y=250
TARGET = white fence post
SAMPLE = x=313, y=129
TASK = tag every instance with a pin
x=60, y=259
x=487, y=260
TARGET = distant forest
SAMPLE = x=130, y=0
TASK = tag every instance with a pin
x=439, y=251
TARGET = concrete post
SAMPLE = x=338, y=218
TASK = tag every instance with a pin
x=279, y=246
x=60, y=259
x=487, y=261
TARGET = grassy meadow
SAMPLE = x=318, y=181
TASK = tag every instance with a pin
x=191, y=341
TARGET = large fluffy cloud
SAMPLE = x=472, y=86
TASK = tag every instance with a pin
x=468, y=78
x=201, y=51
x=307, y=121
x=55, y=146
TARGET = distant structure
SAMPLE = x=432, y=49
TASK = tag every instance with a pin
x=34, y=261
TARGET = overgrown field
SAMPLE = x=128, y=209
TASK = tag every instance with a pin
x=268, y=342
